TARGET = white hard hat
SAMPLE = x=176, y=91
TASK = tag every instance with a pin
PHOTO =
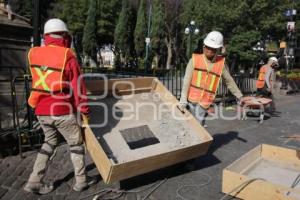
x=273, y=59
x=55, y=25
x=214, y=40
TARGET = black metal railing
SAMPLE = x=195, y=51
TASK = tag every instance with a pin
x=173, y=79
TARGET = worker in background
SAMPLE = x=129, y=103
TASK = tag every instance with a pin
x=56, y=100
x=266, y=79
x=202, y=78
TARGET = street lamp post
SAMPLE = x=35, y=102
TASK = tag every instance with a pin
x=260, y=48
x=190, y=30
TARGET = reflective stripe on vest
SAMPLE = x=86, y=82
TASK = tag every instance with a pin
x=46, y=66
x=260, y=83
x=205, y=83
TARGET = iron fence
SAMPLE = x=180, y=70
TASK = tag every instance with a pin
x=173, y=79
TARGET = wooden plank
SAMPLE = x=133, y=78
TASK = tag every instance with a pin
x=96, y=151
x=119, y=84
x=256, y=190
x=246, y=161
x=280, y=154
x=133, y=168
x=135, y=91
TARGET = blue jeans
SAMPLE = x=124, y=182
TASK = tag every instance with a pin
x=198, y=111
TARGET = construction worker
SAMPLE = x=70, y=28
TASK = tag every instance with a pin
x=202, y=78
x=56, y=100
x=265, y=81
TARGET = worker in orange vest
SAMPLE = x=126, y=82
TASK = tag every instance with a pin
x=57, y=95
x=265, y=81
x=202, y=78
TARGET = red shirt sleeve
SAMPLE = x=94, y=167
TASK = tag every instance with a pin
x=72, y=74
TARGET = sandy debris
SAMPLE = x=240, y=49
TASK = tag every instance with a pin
x=144, y=109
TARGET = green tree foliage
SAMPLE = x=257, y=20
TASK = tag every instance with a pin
x=107, y=16
x=243, y=23
x=23, y=8
x=123, y=36
x=89, y=37
x=188, y=7
x=158, y=30
x=140, y=31
x=74, y=14
x=242, y=44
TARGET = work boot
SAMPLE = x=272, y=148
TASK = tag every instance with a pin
x=39, y=188
x=82, y=186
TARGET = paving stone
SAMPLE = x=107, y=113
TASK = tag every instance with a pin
x=46, y=197
x=64, y=188
x=18, y=184
x=59, y=197
x=21, y=194
x=131, y=197
x=2, y=191
x=55, y=167
x=4, y=175
x=19, y=170
x=87, y=192
x=9, y=195
x=73, y=195
x=25, y=175
x=28, y=161
x=32, y=196
x=9, y=182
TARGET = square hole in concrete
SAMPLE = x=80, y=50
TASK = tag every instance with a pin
x=138, y=137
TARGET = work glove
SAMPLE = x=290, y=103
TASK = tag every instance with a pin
x=85, y=118
x=239, y=101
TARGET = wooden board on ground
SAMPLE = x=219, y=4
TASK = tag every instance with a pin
x=264, y=173
x=135, y=127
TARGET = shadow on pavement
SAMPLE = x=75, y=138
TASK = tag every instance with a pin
x=191, y=165
x=69, y=176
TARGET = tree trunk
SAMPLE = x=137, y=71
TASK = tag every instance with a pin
x=170, y=53
x=122, y=58
x=156, y=61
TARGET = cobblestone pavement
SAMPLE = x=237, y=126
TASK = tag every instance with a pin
x=192, y=180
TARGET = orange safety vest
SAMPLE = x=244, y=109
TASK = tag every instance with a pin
x=260, y=83
x=205, y=83
x=47, y=65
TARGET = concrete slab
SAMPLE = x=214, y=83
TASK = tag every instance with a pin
x=137, y=111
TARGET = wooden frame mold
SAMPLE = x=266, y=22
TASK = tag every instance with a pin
x=264, y=173
x=111, y=171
